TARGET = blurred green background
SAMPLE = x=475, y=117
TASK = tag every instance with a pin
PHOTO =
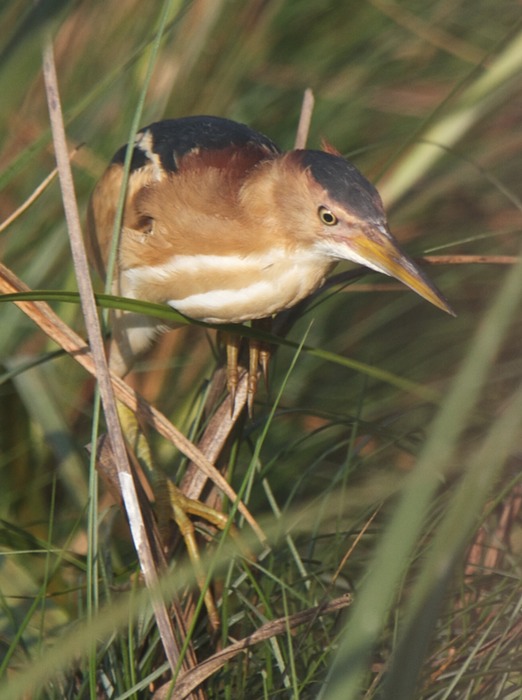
x=426, y=99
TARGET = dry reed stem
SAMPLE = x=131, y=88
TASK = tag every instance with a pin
x=470, y=259
x=33, y=196
x=228, y=413
x=189, y=681
x=53, y=326
x=140, y=533
x=305, y=119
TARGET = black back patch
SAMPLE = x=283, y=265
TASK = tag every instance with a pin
x=171, y=139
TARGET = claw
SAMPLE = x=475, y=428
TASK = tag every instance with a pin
x=264, y=324
x=172, y=504
x=264, y=361
x=258, y=356
x=253, y=366
x=232, y=343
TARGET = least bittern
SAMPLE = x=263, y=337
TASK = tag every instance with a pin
x=224, y=227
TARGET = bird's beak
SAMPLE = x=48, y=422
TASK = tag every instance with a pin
x=376, y=248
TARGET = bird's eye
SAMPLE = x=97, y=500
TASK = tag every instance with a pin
x=327, y=217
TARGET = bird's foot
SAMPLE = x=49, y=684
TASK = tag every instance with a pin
x=258, y=359
x=171, y=504
x=179, y=508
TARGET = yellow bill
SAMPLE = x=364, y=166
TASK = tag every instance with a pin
x=376, y=248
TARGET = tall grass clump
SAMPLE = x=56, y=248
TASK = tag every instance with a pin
x=381, y=467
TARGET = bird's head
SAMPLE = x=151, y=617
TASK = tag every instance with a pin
x=322, y=201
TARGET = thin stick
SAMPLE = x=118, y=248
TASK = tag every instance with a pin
x=227, y=415
x=470, y=259
x=34, y=196
x=305, y=119
x=42, y=314
x=191, y=680
x=214, y=438
x=127, y=485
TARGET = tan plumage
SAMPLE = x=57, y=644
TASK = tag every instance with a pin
x=223, y=227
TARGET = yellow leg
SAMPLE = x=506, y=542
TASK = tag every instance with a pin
x=258, y=357
x=264, y=361
x=253, y=366
x=232, y=343
x=172, y=504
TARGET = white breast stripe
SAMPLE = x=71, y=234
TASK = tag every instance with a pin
x=270, y=282
x=224, y=305
x=195, y=264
